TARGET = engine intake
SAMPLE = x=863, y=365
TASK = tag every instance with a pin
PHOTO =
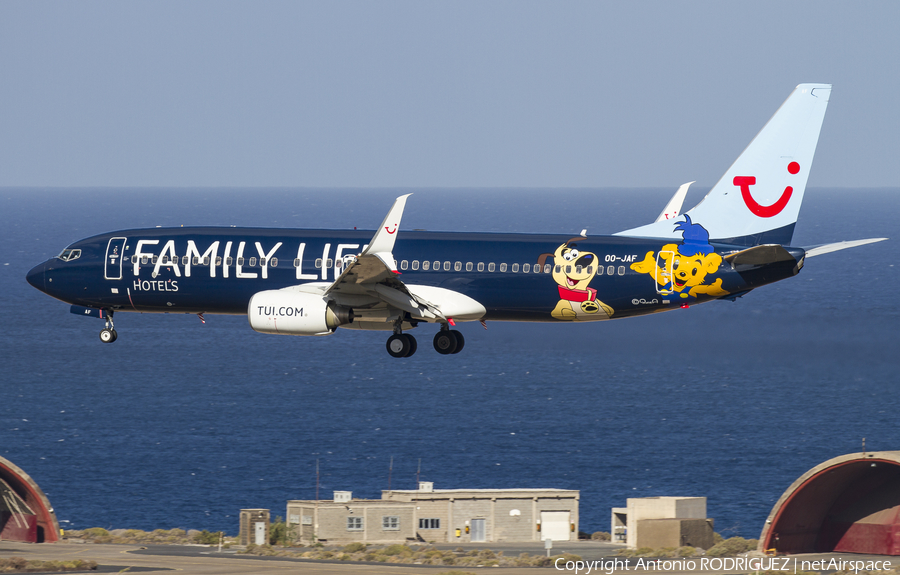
x=295, y=313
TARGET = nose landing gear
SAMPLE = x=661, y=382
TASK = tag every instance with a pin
x=108, y=334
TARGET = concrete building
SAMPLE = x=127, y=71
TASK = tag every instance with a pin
x=442, y=515
x=254, y=526
x=662, y=522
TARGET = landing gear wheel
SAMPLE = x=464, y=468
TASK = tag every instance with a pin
x=108, y=335
x=398, y=345
x=413, y=345
x=445, y=342
x=460, y=340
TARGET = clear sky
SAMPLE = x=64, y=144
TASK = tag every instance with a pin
x=421, y=94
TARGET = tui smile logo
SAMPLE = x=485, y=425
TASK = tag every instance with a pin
x=744, y=182
x=389, y=230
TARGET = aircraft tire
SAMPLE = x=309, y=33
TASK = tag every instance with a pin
x=413, y=345
x=398, y=345
x=460, y=340
x=445, y=342
x=107, y=335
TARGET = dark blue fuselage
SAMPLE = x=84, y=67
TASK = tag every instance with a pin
x=516, y=277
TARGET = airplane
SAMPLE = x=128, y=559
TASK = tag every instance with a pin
x=312, y=281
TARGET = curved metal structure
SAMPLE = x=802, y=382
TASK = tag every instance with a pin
x=847, y=504
x=25, y=512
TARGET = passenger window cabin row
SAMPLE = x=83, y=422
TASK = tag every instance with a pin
x=415, y=265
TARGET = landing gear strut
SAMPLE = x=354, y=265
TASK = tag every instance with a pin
x=448, y=341
x=108, y=334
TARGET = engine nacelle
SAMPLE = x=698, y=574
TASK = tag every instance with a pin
x=295, y=313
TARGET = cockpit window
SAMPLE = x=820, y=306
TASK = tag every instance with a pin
x=68, y=255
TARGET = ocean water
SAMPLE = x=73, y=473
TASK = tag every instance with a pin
x=182, y=424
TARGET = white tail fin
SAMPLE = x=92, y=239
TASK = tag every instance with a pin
x=758, y=199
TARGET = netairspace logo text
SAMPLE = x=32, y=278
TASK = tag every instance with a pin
x=786, y=564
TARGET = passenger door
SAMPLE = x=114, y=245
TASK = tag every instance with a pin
x=114, y=255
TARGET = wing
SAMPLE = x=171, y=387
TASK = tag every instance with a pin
x=370, y=283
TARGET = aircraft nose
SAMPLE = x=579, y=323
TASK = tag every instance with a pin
x=36, y=276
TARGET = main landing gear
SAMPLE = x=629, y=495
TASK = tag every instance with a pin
x=108, y=334
x=446, y=341
x=401, y=345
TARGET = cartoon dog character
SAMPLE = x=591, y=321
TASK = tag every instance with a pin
x=573, y=270
x=694, y=260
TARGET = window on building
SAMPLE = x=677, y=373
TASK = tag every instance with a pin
x=354, y=523
x=429, y=523
x=306, y=520
x=390, y=523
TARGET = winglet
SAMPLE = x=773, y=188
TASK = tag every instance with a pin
x=383, y=241
x=673, y=208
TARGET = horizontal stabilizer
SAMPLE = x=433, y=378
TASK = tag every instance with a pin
x=838, y=246
x=760, y=256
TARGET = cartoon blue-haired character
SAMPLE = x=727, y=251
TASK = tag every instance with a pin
x=686, y=266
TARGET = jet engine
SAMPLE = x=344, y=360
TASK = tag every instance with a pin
x=295, y=313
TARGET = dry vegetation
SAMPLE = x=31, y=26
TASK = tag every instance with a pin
x=417, y=555
x=19, y=565
x=156, y=537
x=723, y=548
